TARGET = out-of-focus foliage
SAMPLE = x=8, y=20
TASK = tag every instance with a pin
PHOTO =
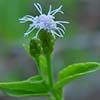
x=10, y=11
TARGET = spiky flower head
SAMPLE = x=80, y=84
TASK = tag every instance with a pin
x=45, y=22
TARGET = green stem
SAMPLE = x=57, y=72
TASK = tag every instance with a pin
x=56, y=94
x=39, y=66
x=50, y=71
x=50, y=78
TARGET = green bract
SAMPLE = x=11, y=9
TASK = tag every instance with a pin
x=35, y=47
x=47, y=41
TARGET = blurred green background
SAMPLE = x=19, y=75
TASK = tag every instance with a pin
x=80, y=44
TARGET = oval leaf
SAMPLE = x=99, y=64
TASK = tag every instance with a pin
x=74, y=71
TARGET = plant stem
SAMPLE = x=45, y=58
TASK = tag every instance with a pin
x=50, y=71
x=50, y=78
x=56, y=94
x=39, y=66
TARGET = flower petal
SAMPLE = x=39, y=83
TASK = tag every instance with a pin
x=38, y=7
x=65, y=22
x=30, y=29
x=61, y=30
x=56, y=11
x=50, y=8
x=59, y=34
x=61, y=25
x=26, y=18
x=37, y=33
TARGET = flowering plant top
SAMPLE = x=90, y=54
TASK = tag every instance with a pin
x=41, y=48
x=45, y=21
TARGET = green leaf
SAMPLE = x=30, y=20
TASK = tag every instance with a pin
x=35, y=78
x=74, y=71
x=21, y=93
x=33, y=86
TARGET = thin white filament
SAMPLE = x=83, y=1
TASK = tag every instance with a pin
x=38, y=8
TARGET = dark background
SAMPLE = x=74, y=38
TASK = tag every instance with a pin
x=81, y=43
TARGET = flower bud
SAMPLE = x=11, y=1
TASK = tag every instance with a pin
x=47, y=42
x=35, y=47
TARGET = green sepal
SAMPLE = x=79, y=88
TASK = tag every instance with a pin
x=75, y=71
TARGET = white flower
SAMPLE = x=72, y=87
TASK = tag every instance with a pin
x=45, y=21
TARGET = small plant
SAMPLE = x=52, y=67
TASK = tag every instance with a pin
x=41, y=47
